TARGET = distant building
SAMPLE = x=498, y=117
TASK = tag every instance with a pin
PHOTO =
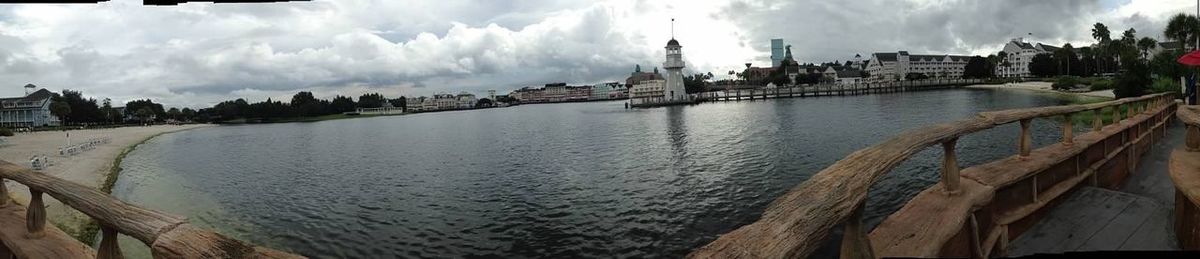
x=849, y=77
x=638, y=76
x=1019, y=54
x=647, y=91
x=466, y=100
x=555, y=92
x=894, y=66
x=1165, y=46
x=777, y=52
x=609, y=91
x=31, y=110
x=492, y=95
x=415, y=104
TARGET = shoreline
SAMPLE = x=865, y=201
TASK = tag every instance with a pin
x=1044, y=87
x=97, y=168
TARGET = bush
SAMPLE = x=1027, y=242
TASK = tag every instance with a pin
x=1166, y=85
x=1065, y=83
x=6, y=132
x=1102, y=84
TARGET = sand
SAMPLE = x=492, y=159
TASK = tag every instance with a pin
x=1044, y=87
x=90, y=167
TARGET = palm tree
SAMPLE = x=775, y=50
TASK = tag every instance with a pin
x=1103, y=36
x=1183, y=28
x=1146, y=44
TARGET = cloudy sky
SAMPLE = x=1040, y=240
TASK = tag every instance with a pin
x=197, y=54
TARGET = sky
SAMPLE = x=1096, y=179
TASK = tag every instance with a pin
x=198, y=54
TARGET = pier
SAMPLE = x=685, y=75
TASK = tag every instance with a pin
x=762, y=93
x=991, y=209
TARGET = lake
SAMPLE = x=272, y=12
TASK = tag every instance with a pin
x=575, y=180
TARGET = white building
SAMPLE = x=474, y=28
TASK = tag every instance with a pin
x=606, y=91
x=466, y=100
x=32, y=110
x=1020, y=54
x=894, y=66
x=647, y=91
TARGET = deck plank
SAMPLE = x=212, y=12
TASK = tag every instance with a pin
x=55, y=243
x=1096, y=219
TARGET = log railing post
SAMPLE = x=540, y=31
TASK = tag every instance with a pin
x=1116, y=114
x=1097, y=120
x=35, y=216
x=950, y=168
x=1024, y=143
x=855, y=244
x=109, y=248
x=1068, y=130
x=3, y=194
x=1192, y=139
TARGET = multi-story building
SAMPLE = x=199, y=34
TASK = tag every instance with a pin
x=415, y=104
x=777, y=52
x=638, y=76
x=31, y=110
x=895, y=66
x=647, y=91
x=608, y=91
x=1018, y=56
x=466, y=100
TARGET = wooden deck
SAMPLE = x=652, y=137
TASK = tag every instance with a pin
x=1138, y=217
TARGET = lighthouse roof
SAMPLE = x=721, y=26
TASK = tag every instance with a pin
x=673, y=42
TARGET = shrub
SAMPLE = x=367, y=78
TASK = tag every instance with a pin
x=1164, y=85
x=1102, y=84
x=1065, y=83
x=6, y=132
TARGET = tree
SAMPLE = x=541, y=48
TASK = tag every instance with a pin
x=132, y=107
x=695, y=83
x=144, y=114
x=1103, y=36
x=372, y=100
x=108, y=112
x=188, y=114
x=1145, y=45
x=304, y=104
x=60, y=109
x=1042, y=65
x=341, y=104
x=1184, y=29
x=483, y=103
x=1064, y=57
x=978, y=67
x=1133, y=81
x=399, y=102
x=174, y=114
x=1164, y=65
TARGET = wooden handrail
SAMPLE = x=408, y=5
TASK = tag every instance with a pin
x=168, y=236
x=797, y=223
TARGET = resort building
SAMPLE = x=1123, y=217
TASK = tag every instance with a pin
x=32, y=110
x=609, y=91
x=895, y=66
x=638, y=76
x=1019, y=54
x=648, y=90
x=466, y=100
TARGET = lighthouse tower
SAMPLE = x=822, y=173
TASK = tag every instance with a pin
x=674, y=91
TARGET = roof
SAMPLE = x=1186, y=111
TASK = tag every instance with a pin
x=673, y=42
x=886, y=56
x=1170, y=45
x=35, y=96
x=1047, y=47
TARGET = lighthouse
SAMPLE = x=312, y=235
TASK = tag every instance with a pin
x=674, y=91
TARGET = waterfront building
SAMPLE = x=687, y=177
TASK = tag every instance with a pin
x=492, y=95
x=647, y=91
x=849, y=76
x=638, y=76
x=31, y=110
x=894, y=66
x=608, y=91
x=466, y=100
x=415, y=104
x=777, y=52
x=1019, y=55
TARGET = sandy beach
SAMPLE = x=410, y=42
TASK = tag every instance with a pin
x=90, y=167
x=1044, y=87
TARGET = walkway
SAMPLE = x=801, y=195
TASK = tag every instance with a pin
x=1138, y=217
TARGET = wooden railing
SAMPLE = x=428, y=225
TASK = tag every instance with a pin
x=168, y=236
x=1185, y=173
x=969, y=211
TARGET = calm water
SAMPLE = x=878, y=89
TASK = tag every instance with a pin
x=540, y=181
